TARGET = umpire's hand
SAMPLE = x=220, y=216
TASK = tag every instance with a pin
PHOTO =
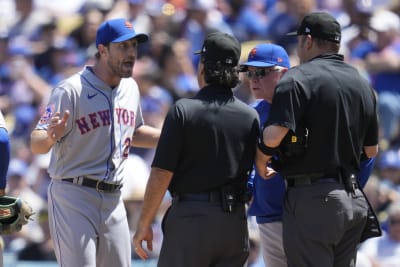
x=143, y=234
x=261, y=162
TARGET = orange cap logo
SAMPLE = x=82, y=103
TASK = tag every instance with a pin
x=253, y=52
x=128, y=25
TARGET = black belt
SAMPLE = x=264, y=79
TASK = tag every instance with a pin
x=308, y=179
x=99, y=185
x=212, y=196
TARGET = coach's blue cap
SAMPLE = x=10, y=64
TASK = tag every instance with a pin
x=117, y=30
x=267, y=55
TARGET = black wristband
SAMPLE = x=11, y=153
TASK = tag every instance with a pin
x=269, y=151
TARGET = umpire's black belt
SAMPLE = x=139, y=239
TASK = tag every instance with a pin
x=312, y=178
x=212, y=196
x=99, y=185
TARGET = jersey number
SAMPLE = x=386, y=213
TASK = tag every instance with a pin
x=127, y=145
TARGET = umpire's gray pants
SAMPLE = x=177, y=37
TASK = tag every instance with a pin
x=322, y=225
x=201, y=234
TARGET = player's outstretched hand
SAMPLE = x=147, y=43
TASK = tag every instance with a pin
x=261, y=163
x=143, y=234
x=58, y=125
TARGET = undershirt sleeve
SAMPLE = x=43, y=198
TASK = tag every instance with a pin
x=4, y=156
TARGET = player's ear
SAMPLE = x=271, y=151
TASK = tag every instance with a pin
x=102, y=49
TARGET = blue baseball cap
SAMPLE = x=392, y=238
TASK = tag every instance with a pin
x=267, y=55
x=117, y=30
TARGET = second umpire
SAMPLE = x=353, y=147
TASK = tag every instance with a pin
x=205, y=152
x=323, y=122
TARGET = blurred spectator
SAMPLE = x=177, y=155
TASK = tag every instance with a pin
x=355, y=21
x=286, y=19
x=5, y=75
x=26, y=90
x=382, y=188
x=155, y=100
x=247, y=18
x=134, y=11
x=59, y=61
x=28, y=19
x=384, y=251
x=389, y=169
x=84, y=35
x=202, y=17
x=381, y=60
x=178, y=74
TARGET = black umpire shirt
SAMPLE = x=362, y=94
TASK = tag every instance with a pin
x=207, y=140
x=336, y=104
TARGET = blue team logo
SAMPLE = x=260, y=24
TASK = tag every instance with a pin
x=47, y=114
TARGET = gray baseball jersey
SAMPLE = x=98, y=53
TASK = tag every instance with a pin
x=96, y=110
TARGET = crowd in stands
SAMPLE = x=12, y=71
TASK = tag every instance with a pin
x=43, y=42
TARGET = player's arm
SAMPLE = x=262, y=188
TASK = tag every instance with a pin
x=4, y=158
x=367, y=163
x=146, y=136
x=41, y=142
x=157, y=185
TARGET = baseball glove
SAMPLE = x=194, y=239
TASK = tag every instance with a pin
x=14, y=213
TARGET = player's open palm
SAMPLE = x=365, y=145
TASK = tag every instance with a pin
x=143, y=234
x=58, y=125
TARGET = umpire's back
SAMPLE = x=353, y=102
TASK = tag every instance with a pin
x=219, y=134
x=337, y=106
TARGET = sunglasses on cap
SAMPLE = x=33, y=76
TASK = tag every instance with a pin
x=261, y=72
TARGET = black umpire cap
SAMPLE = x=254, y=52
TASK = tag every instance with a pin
x=321, y=25
x=221, y=47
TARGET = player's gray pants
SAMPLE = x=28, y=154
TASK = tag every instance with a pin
x=271, y=241
x=88, y=228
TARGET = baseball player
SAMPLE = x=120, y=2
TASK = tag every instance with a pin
x=4, y=154
x=265, y=66
x=91, y=121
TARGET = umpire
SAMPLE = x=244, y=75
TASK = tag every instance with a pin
x=323, y=121
x=204, y=155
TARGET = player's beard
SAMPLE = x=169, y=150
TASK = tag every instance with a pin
x=122, y=69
